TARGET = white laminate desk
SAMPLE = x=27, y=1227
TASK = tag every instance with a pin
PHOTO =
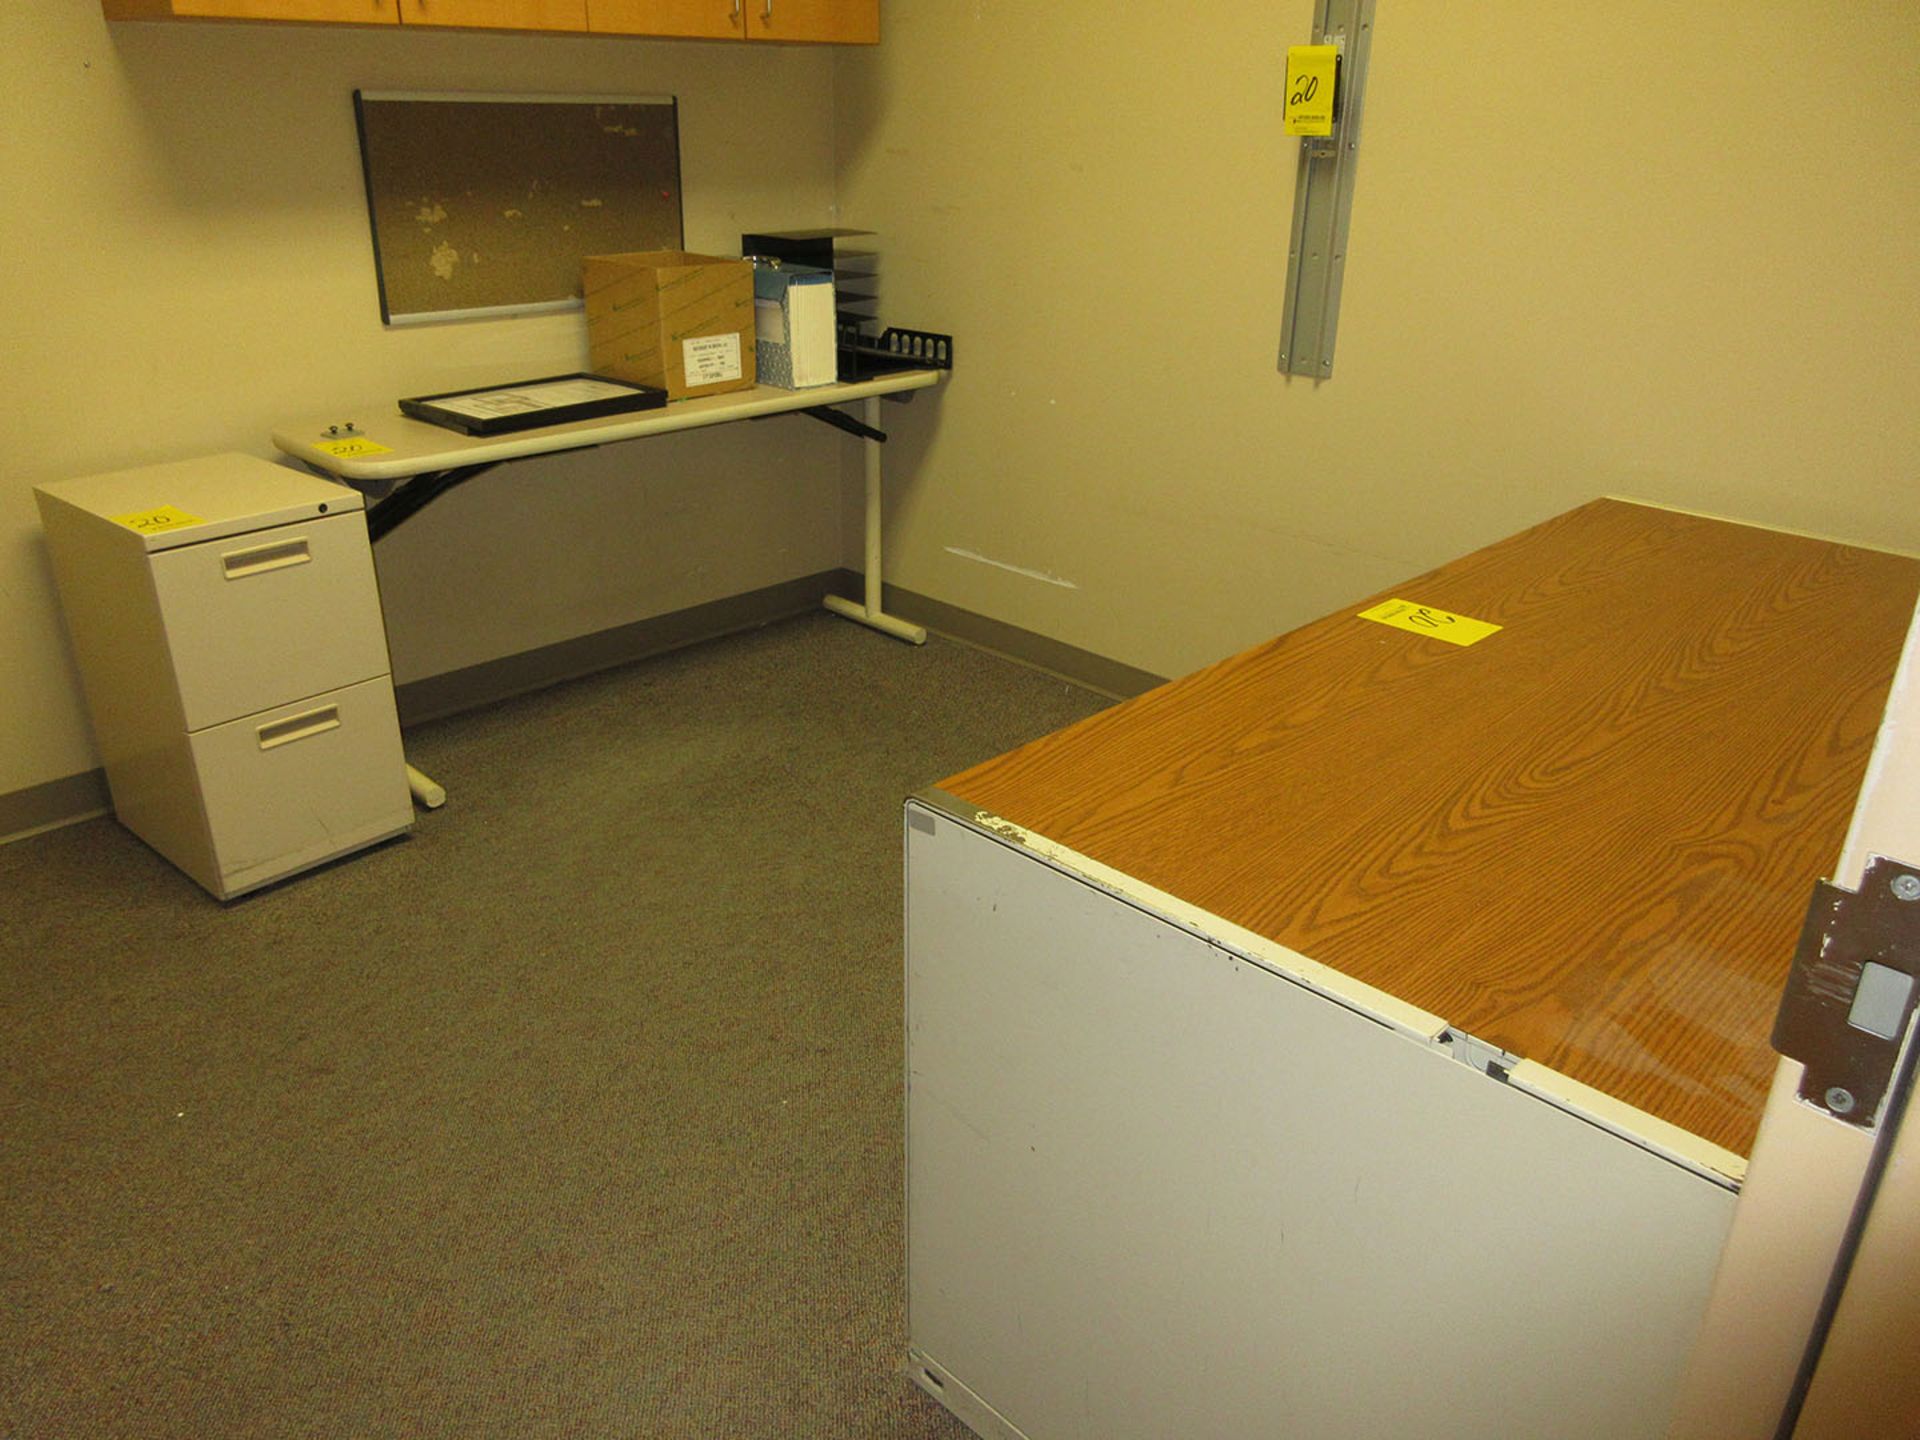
x=371, y=452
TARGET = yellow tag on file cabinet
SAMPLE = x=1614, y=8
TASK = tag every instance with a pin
x=352, y=447
x=1310, y=79
x=1426, y=620
x=156, y=518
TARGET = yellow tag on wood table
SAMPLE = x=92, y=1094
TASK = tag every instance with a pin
x=1310, y=78
x=1426, y=620
x=352, y=447
x=156, y=518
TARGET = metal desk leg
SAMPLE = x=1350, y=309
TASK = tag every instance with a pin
x=870, y=613
x=382, y=520
x=429, y=795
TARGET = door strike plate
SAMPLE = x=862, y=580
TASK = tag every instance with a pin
x=1852, y=990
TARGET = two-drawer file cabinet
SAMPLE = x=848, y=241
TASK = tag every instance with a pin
x=227, y=625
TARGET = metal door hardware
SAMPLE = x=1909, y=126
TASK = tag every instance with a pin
x=1852, y=991
x=1478, y=1054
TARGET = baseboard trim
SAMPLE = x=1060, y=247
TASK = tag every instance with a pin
x=54, y=803
x=1028, y=647
x=73, y=798
x=491, y=681
x=494, y=680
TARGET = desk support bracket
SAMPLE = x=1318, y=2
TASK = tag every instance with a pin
x=413, y=497
x=840, y=420
x=870, y=612
x=382, y=520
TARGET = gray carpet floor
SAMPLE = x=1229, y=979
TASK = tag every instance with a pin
x=575, y=1113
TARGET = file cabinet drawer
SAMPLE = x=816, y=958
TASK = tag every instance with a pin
x=268, y=617
x=289, y=787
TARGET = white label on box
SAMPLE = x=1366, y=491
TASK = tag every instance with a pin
x=709, y=359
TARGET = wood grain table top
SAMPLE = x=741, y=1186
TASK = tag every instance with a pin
x=1588, y=838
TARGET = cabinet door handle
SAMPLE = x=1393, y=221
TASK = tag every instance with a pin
x=766, y=12
x=299, y=727
x=734, y=18
x=258, y=559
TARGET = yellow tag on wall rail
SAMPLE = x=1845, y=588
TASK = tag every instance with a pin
x=1426, y=620
x=1311, y=70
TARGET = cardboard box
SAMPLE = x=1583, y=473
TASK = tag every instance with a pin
x=671, y=319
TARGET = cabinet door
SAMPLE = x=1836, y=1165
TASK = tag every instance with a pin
x=685, y=19
x=496, y=14
x=839, y=22
x=333, y=12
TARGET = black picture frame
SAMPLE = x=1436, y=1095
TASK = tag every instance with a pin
x=435, y=411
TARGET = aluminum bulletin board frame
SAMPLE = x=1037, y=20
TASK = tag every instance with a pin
x=482, y=205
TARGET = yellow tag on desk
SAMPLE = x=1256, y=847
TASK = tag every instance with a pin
x=1425, y=620
x=154, y=519
x=1310, y=78
x=352, y=448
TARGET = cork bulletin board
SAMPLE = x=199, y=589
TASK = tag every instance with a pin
x=484, y=204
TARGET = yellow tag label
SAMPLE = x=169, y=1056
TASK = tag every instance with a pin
x=352, y=447
x=157, y=518
x=1310, y=76
x=1425, y=620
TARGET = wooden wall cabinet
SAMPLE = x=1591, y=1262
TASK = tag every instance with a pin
x=679, y=19
x=563, y=15
x=838, y=22
x=818, y=22
x=318, y=12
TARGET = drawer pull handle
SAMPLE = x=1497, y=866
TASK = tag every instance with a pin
x=300, y=727
x=261, y=558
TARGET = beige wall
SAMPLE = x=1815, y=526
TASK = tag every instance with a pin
x=184, y=263
x=1661, y=252
x=1569, y=282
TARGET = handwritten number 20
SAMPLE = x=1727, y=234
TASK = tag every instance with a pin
x=1309, y=87
x=1423, y=616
